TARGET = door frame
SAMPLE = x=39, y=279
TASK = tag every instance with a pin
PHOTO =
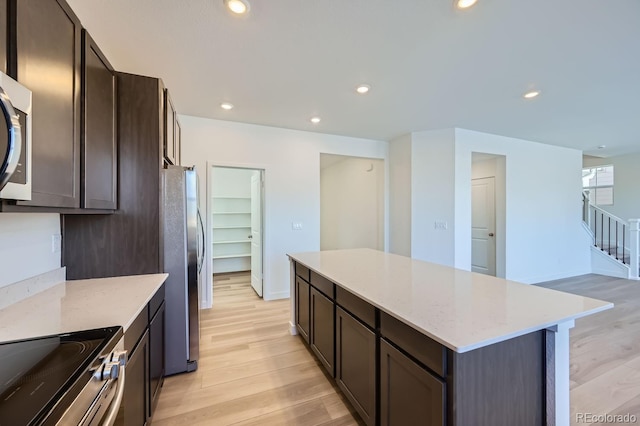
x=207, y=270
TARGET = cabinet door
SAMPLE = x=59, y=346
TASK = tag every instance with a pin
x=99, y=140
x=133, y=411
x=4, y=23
x=169, y=129
x=322, y=329
x=48, y=62
x=178, y=142
x=156, y=356
x=302, y=308
x=409, y=395
x=356, y=364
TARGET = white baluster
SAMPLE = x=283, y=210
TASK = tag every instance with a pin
x=634, y=246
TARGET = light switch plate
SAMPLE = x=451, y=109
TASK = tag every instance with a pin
x=440, y=225
x=296, y=226
x=56, y=243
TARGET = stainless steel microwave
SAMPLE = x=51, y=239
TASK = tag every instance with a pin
x=15, y=139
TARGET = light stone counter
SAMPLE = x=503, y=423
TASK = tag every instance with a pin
x=460, y=309
x=79, y=305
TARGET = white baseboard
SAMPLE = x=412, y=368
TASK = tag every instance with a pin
x=603, y=264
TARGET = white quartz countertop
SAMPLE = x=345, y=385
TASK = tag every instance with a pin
x=460, y=309
x=79, y=305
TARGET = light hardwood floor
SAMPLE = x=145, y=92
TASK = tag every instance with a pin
x=605, y=348
x=252, y=372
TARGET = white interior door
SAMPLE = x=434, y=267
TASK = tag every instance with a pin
x=483, y=226
x=256, y=232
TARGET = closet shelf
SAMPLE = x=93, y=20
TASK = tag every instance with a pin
x=229, y=256
x=232, y=242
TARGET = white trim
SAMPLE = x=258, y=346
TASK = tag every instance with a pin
x=603, y=264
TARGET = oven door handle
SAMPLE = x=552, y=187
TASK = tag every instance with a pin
x=110, y=417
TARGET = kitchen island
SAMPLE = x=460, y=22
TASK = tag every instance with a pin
x=407, y=340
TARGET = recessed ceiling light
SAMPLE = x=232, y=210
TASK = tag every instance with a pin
x=315, y=120
x=602, y=147
x=363, y=88
x=226, y=105
x=239, y=7
x=465, y=4
x=531, y=94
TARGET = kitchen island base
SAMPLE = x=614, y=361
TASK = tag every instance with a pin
x=395, y=374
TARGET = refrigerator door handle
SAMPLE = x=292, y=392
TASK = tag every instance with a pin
x=201, y=243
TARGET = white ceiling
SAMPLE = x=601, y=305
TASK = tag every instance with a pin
x=430, y=66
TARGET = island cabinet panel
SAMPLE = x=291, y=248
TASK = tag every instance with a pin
x=356, y=307
x=500, y=385
x=427, y=351
x=48, y=53
x=322, y=284
x=356, y=364
x=409, y=394
x=322, y=329
x=303, y=316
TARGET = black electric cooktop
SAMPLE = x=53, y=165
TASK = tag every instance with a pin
x=37, y=373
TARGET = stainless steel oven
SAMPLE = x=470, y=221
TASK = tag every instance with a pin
x=68, y=379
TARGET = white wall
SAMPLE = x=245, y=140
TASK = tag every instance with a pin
x=25, y=245
x=291, y=160
x=544, y=235
x=626, y=181
x=496, y=167
x=400, y=188
x=432, y=200
x=352, y=204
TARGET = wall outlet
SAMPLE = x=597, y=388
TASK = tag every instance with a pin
x=439, y=225
x=296, y=226
x=56, y=243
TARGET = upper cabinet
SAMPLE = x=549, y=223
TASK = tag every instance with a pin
x=4, y=24
x=99, y=128
x=48, y=53
x=171, y=151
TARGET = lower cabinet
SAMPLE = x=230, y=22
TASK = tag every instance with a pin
x=409, y=394
x=144, y=342
x=133, y=411
x=303, y=317
x=156, y=356
x=356, y=364
x=322, y=329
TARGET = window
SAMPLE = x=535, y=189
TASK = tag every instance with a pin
x=599, y=182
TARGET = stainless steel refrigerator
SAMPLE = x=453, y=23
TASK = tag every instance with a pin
x=183, y=248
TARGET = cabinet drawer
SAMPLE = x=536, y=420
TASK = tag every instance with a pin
x=356, y=306
x=429, y=352
x=322, y=284
x=408, y=392
x=302, y=271
x=136, y=330
x=155, y=302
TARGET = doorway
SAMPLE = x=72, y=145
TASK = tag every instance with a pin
x=236, y=205
x=488, y=207
x=351, y=202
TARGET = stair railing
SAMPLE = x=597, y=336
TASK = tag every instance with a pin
x=617, y=237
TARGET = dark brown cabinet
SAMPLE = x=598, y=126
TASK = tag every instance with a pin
x=144, y=343
x=321, y=338
x=99, y=130
x=133, y=411
x=170, y=149
x=48, y=53
x=156, y=356
x=356, y=364
x=409, y=394
x=303, y=317
x=4, y=25
x=126, y=243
